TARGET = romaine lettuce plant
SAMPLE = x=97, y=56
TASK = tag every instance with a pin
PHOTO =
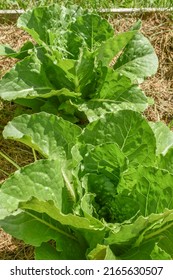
x=77, y=67
x=101, y=192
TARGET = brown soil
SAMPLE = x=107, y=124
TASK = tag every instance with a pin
x=158, y=28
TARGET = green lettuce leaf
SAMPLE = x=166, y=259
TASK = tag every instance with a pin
x=22, y=53
x=112, y=46
x=101, y=252
x=89, y=30
x=138, y=60
x=27, y=78
x=138, y=239
x=131, y=99
x=33, y=77
x=47, y=25
x=43, y=229
x=42, y=198
x=48, y=134
x=151, y=188
x=166, y=161
x=45, y=180
x=107, y=159
x=126, y=128
x=164, y=137
x=69, y=250
x=80, y=72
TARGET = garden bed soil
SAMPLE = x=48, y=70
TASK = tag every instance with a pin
x=159, y=30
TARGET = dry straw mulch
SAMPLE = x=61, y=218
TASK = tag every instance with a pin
x=13, y=249
x=159, y=30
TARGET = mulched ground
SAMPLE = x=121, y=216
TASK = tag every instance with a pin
x=13, y=249
x=159, y=29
